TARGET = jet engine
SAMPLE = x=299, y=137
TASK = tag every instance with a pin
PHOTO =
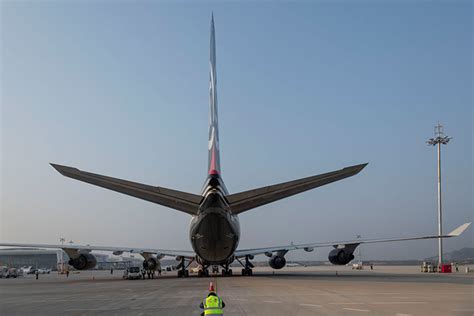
x=340, y=256
x=85, y=261
x=277, y=262
x=151, y=264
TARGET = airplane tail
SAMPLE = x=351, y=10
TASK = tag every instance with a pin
x=190, y=203
x=214, y=165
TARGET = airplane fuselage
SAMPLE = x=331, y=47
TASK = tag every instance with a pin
x=214, y=232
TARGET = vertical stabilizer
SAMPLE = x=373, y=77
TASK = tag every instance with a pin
x=214, y=158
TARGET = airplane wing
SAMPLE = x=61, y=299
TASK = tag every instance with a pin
x=181, y=201
x=116, y=250
x=244, y=201
x=341, y=244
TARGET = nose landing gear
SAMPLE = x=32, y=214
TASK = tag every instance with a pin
x=204, y=272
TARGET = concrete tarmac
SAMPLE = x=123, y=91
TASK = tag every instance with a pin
x=393, y=291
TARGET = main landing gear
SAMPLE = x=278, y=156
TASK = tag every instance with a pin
x=247, y=267
x=246, y=272
x=226, y=271
x=183, y=271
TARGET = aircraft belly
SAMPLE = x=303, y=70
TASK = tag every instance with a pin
x=215, y=237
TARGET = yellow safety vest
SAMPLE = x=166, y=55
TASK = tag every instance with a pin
x=213, y=306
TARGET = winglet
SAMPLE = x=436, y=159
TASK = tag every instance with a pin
x=458, y=231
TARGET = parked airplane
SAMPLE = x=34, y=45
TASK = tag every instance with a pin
x=215, y=230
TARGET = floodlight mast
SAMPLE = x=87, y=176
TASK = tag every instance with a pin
x=439, y=139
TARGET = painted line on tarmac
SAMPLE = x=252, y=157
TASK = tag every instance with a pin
x=463, y=310
x=272, y=302
x=90, y=309
x=311, y=305
x=388, y=303
x=400, y=314
x=356, y=310
x=346, y=303
x=409, y=297
x=239, y=299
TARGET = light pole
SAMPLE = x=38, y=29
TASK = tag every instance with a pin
x=62, y=240
x=360, y=253
x=438, y=140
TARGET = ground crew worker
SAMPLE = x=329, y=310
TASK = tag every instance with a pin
x=212, y=304
x=37, y=274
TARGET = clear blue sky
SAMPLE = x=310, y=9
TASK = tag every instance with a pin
x=121, y=89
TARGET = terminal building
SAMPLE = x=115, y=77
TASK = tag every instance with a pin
x=37, y=258
x=51, y=259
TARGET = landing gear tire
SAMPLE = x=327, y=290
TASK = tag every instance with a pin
x=180, y=273
x=200, y=273
x=244, y=272
x=224, y=273
x=186, y=273
x=206, y=272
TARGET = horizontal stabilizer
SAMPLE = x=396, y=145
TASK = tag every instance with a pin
x=181, y=201
x=244, y=201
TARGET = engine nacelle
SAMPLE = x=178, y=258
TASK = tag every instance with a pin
x=85, y=261
x=277, y=262
x=340, y=256
x=151, y=264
